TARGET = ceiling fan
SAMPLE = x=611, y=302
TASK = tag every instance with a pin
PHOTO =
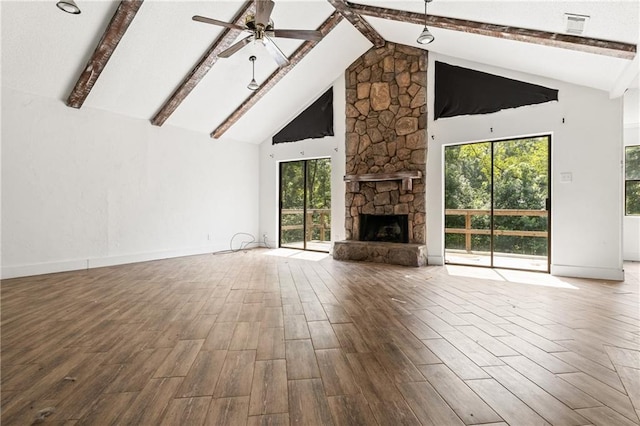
x=260, y=27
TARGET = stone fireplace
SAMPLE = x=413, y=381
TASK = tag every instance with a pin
x=386, y=154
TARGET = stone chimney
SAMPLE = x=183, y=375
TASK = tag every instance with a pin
x=386, y=133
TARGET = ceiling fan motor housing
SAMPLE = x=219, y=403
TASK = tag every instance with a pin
x=250, y=23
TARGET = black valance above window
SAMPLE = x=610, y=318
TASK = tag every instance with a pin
x=462, y=91
x=314, y=122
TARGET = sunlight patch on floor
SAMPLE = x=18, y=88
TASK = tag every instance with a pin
x=506, y=275
x=297, y=254
x=500, y=260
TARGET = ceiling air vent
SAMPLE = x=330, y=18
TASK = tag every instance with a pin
x=576, y=23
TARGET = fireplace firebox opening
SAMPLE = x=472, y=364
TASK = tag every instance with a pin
x=385, y=228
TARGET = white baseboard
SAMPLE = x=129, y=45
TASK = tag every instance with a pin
x=631, y=257
x=145, y=257
x=587, y=272
x=43, y=268
x=435, y=260
x=98, y=262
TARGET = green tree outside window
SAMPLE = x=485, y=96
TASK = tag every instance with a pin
x=632, y=180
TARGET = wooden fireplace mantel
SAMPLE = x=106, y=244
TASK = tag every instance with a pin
x=406, y=178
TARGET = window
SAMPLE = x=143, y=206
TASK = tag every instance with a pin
x=632, y=180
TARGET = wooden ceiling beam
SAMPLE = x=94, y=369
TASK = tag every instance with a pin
x=114, y=32
x=210, y=57
x=328, y=25
x=564, y=41
x=358, y=22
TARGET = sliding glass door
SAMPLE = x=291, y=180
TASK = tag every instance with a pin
x=305, y=204
x=497, y=203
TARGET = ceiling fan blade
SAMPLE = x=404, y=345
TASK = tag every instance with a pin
x=216, y=22
x=235, y=47
x=275, y=52
x=299, y=34
x=263, y=11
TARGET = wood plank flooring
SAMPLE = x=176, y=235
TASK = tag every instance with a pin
x=250, y=338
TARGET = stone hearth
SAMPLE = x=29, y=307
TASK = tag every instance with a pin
x=379, y=252
x=386, y=92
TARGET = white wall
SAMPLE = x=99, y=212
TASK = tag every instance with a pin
x=631, y=224
x=327, y=147
x=86, y=188
x=586, y=219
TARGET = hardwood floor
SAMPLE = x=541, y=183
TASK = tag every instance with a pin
x=257, y=339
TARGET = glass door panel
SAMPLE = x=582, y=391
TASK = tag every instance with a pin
x=292, y=199
x=318, y=206
x=468, y=204
x=520, y=194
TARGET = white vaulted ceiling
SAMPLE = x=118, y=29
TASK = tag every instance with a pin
x=44, y=51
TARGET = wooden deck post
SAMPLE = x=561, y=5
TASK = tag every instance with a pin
x=467, y=234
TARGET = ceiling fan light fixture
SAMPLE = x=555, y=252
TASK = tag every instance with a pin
x=68, y=6
x=253, y=85
x=425, y=36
